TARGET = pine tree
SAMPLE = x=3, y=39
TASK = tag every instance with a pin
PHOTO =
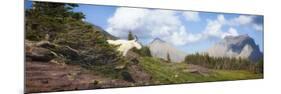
x=168, y=57
x=260, y=66
x=145, y=51
x=50, y=18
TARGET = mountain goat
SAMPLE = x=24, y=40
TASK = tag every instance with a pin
x=125, y=45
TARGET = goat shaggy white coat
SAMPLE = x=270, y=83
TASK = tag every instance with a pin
x=125, y=45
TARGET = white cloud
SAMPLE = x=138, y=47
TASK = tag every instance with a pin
x=183, y=37
x=258, y=27
x=242, y=20
x=214, y=28
x=221, y=19
x=191, y=16
x=166, y=24
x=230, y=32
x=124, y=20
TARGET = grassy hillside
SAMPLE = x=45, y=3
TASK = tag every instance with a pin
x=167, y=73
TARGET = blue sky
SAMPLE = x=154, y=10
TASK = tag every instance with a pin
x=189, y=31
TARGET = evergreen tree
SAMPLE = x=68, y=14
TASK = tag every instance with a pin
x=168, y=58
x=49, y=18
x=225, y=63
x=260, y=66
x=145, y=51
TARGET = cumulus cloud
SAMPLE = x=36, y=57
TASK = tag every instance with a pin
x=166, y=24
x=126, y=19
x=258, y=27
x=255, y=22
x=214, y=28
x=183, y=37
x=191, y=16
x=258, y=23
x=142, y=22
x=242, y=20
x=231, y=32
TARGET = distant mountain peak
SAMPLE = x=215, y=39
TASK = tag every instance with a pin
x=161, y=49
x=238, y=38
x=107, y=35
x=236, y=46
x=157, y=40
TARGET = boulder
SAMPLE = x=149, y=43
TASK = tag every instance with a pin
x=45, y=44
x=127, y=76
x=46, y=51
x=139, y=75
x=40, y=54
x=67, y=51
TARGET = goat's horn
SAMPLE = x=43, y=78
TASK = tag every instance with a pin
x=136, y=38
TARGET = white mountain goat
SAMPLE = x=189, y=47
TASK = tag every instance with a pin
x=125, y=45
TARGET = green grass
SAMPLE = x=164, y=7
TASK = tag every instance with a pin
x=168, y=73
x=236, y=75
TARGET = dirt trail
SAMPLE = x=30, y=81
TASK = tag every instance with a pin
x=45, y=76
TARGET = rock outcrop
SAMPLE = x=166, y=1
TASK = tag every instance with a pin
x=242, y=46
x=161, y=49
x=36, y=53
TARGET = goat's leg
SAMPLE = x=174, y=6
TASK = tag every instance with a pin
x=125, y=52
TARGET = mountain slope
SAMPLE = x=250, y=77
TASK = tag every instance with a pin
x=161, y=49
x=236, y=46
x=105, y=33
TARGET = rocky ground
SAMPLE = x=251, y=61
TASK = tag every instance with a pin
x=46, y=72
x=46, y=76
